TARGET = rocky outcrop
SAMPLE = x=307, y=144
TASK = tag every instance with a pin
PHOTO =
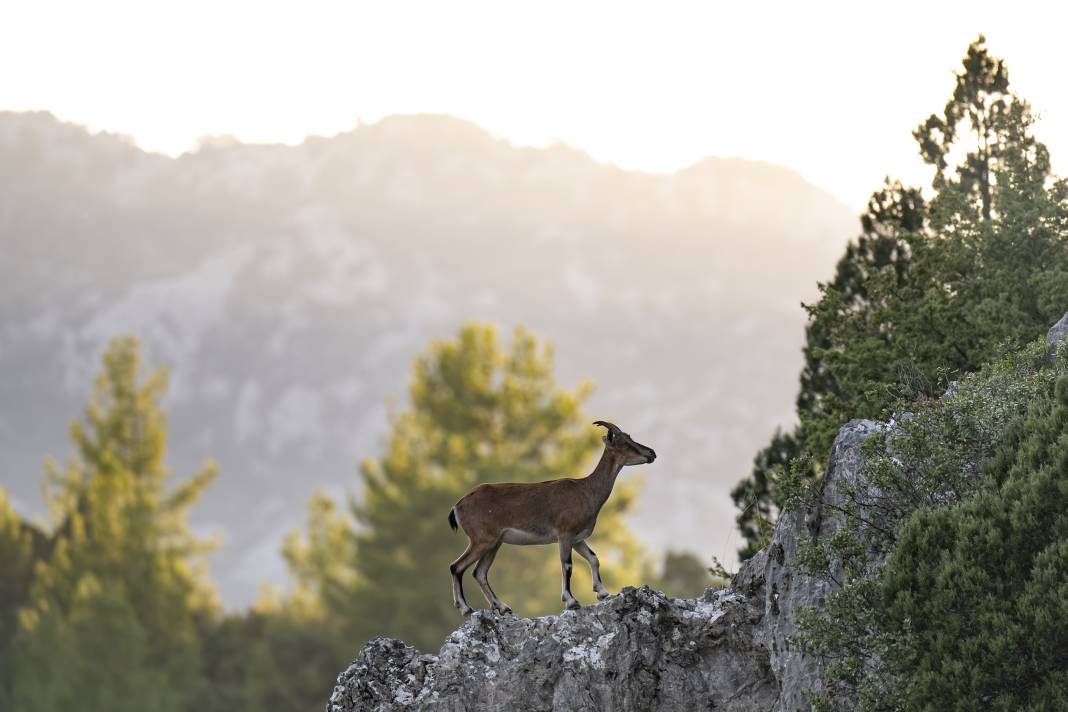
x=638, y=650
x=731, y=649
x=787, y=591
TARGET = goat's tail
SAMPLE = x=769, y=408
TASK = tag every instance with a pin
x=452, y=519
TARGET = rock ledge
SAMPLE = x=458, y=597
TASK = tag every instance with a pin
x=636, y=650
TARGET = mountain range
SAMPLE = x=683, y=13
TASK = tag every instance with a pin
x=288, y=289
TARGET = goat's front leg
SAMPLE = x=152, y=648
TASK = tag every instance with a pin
x=586, y=553
x=570, y=601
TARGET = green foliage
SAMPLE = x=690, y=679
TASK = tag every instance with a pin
x=20, y=546
x=928, y=464
x=320, y=561
x=274, y=658
x=111, y=620
x=930, y=291
x=93, y=655
x=975, y=595
x=757, y=498
x=480, y=413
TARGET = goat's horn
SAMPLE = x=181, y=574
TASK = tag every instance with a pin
x=611, y=427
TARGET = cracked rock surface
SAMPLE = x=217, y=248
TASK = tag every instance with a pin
x=788, y=591
x=729, y=650
x=638, y=650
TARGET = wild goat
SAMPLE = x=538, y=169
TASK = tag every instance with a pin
x=563, y=511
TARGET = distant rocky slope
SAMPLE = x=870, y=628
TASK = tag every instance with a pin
x=639, y=650
x=289, y=288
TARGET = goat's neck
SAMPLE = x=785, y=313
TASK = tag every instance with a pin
x=603, y=477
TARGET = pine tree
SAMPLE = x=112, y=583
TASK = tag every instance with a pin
x=273, y=658
x=276, y=656
x=930, y=291
x=21, y=545
x=113, y=612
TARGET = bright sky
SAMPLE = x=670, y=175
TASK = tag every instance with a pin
x=832, y=90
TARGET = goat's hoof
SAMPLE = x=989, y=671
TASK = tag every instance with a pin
x=601, y=595
x=505, y=611
x=466, y=611
x=572, y=605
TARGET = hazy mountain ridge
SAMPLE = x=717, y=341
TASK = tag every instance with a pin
x=289, y=287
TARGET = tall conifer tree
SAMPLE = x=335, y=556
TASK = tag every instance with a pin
x=112, y=617
x=930, y=290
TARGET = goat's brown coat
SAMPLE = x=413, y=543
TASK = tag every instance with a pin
x=563, y=511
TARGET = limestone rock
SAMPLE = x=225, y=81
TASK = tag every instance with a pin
x=787, y=590
x=638, y=650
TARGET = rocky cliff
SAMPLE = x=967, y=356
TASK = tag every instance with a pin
x=731, y=649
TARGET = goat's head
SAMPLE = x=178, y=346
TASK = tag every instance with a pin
x=632, y=452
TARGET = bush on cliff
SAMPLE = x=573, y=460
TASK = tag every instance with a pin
x=947, y=558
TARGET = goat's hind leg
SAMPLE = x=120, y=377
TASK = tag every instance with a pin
x=482, y=576
x=457, y=569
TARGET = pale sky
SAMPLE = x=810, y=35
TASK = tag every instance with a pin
x=832, y=90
